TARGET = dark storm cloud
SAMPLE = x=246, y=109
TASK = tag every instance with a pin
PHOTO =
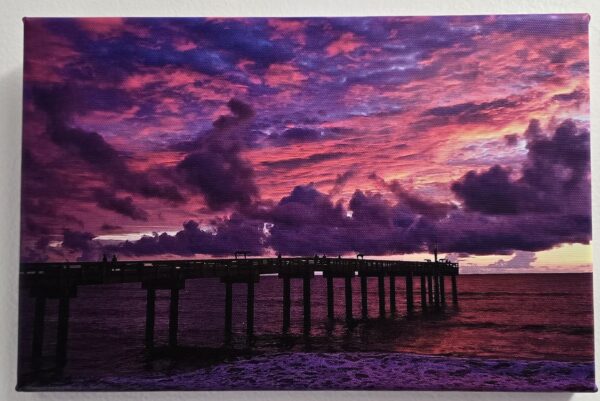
x=40, y=185
x=341, y=180
x=216, y=168
x=482, y=234
x=91, y=147
x=240, y=112
x=548, y=205
x=77, y=240
x=511, y=139
x=570, y=96
x=124, y=206
x=307, y=222
x=468, y=108
x=109, y=227
x=464, y=113
x=494, y=192
x=412, y=201
x=555, y=177
x=297, y=135
x=296, y=162
x=230, y=235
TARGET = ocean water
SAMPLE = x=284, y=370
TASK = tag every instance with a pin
x=524, y=317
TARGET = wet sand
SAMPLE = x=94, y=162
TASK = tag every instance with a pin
x=362, y=371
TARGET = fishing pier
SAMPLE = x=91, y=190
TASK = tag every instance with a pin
x=60, y=281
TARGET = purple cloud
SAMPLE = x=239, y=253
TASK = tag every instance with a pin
x=555, y=177
x=124, y=206
x=216, y=168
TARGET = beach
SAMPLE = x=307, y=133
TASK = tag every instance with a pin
x=359, y=371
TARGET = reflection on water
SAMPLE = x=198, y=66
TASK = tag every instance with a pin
x=545, y=316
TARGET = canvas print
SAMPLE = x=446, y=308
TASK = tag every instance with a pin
x=386, y=203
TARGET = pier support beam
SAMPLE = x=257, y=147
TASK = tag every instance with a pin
x=454, y=290
x=151, y=285
x=62, y=291
x=423, y=292
x=306, y=299
x=38, y=332
x=348, y=293
x=363, y=296
x=381, y=287
x=150, y=313
x=62, y=332
x=392, y=294
x=173, y=317
x=436, y=283
x=330, y=311
x=287, y=304
x=443, y=289
x=250, y=308
x=430, y=288
x=228, y=310
x=409, y=292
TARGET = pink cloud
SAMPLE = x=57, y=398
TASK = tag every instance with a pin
x=46, y=54
x=284, y=74
x=288, y=28
x=109, y=27
x=347, y=43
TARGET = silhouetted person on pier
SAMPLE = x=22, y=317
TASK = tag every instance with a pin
x=104, y=258
x=114, y=259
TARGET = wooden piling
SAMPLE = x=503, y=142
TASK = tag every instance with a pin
x=423, y=292
x=442, y=289
x=306, y=300
x=173, y=317
x=287, y=303
x=409, y=292
x=454, y=290
x=363, y=296
x=430, y=288
x=348, y=292
x=436, y=288
x=330, y=311
x=62, y=332
x=392, y=293
x=381, y=285
x=228, y=310
x=250, y=308
x=150, y=313
x=38, y=331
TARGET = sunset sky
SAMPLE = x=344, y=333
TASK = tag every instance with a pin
x=180, y=138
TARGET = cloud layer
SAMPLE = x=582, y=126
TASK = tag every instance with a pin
x=305, y=135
